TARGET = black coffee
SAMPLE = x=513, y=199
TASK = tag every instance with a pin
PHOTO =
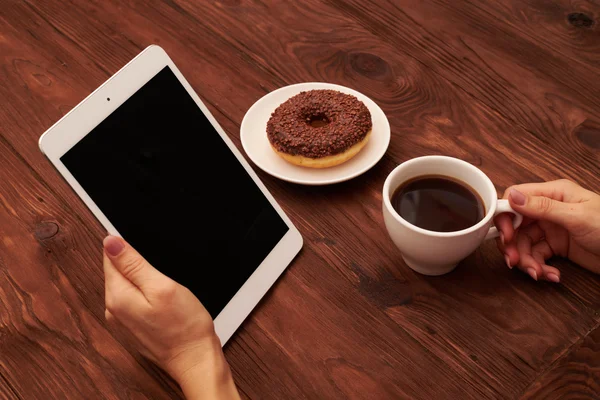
x=438, y=203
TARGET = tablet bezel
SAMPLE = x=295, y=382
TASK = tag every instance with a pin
x=82, y=119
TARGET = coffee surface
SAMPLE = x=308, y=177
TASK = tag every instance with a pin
x=438, y=203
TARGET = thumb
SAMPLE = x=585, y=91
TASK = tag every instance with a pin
x=129, y=262
x=542, y=208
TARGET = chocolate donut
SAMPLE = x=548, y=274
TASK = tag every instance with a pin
x=319, y=128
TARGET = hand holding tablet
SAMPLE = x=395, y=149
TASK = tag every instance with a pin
x=170, y=325
x=155, y=167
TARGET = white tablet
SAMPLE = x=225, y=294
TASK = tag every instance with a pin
x=155, y=167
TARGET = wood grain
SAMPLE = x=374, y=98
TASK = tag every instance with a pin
x=510, y=86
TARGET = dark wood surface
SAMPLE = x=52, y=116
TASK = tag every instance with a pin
x=512, y=86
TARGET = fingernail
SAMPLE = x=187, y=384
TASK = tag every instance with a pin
x=552, y=277
x=532, y=273
x=507, y=258
x=517, y=197
x=502, y=238
x=113, y=246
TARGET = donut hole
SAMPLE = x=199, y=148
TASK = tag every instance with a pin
x=317, y=120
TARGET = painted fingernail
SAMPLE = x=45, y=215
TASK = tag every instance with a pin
x=553, y=277
x=113, y=246
x=517, y=197
x=507, y=258
x=532, y=273
x=502, y=238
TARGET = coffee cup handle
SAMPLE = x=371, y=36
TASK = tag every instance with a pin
x=504, y=207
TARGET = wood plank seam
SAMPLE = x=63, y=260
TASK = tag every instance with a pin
x=561, y=357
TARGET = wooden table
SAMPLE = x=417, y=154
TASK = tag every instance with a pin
x=512, y=86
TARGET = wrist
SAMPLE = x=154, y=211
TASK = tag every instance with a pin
x=203, y=373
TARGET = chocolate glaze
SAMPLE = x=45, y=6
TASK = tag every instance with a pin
x=347, y=122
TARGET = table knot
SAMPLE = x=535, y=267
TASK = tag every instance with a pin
x=580, y=20
x=369, y=65
x=46, y=230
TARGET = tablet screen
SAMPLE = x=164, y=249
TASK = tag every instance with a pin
x=170, y=185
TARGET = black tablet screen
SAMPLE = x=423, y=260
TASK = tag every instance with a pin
x=170, y=185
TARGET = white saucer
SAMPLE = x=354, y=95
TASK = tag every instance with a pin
x=253, y=134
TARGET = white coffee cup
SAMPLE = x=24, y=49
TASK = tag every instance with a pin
x=437, y=253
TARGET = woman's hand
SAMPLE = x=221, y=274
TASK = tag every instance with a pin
x=172, y=327
x=561, y=219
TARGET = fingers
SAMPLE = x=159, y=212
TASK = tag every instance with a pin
x=511, y=254
x=543, y=208
x=542, y=251
x=129, y=263
x=561, y=190
x=504, y=224
x=506, y=242
x=120, y=295
x=525, y=240
x=113, y=280
x=509, y=248
x=532, y=250
x=551, y=274
x=549, y=209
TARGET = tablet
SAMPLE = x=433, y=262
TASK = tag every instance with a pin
x=154, y=166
